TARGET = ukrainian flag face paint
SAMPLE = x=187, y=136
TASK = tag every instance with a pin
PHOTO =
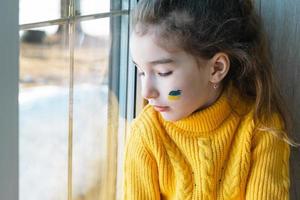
x=174, y=95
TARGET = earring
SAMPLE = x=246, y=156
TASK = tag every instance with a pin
x=215, y=86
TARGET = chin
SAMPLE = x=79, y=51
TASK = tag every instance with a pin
x=171, y=118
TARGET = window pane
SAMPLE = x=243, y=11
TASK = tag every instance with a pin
x=36, y=10
x=90, y=108
x=95, y=107
x=43, y=114
x=88, y=7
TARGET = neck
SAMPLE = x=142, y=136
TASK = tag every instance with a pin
x=215, y=94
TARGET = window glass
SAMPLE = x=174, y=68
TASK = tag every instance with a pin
x=91, y=57
x=83, y=70
x=43, y=114
x=36, y=10
x=88, y=7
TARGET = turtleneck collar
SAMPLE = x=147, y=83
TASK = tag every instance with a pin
x=212, y=117
x=205, y=120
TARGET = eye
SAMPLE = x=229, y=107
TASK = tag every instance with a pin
x=165, y=74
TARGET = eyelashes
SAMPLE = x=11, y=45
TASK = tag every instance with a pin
x=141, y=73
x=165, y=74
x=160, y=74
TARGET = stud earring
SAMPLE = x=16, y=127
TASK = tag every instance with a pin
x=215, y=86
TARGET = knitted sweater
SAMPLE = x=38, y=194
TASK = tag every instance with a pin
x=214, y=153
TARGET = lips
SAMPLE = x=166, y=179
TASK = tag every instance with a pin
x=161, y=108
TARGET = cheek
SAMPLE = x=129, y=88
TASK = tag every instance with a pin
x=177, y=92
x=167, y=89
x=175, y=95
x=170, y=90
x=191, y=90
x=181, y=88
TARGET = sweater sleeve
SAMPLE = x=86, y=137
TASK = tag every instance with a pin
x=269, y=172
x=140, y=171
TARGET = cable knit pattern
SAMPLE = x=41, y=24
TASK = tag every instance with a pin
x=212, y=154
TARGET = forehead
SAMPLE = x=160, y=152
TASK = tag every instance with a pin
x=146, y=48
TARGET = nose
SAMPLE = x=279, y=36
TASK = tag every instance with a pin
x=149, y=90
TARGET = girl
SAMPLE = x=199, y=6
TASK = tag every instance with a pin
x=214, y=126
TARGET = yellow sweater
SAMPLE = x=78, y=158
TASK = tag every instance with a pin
x=212, y=154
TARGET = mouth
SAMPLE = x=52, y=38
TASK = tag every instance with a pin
x=161, y=108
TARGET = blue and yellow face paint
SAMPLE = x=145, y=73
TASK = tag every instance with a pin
x=174, y=95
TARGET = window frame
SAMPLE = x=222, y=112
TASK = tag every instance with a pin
x=9, y=48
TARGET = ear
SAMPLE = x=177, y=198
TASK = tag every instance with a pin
x=220, y=65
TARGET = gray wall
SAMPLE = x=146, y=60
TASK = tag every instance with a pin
x=282, y=23
x=8, y=99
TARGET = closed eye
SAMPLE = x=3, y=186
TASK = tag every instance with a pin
x=165, y=74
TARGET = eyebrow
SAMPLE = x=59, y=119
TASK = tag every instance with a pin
x=159, y=61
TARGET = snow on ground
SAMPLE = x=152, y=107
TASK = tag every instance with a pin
x=43, y=143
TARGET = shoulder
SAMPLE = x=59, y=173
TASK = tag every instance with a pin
x=267, y=135
x=143, y=135
x=239, y=104
x=244, y=108
x=138, y=146
x=272, y=131
x=145, y=125
x=147, y=119
x=246, y=112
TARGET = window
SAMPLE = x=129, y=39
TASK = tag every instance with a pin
x=74, y=87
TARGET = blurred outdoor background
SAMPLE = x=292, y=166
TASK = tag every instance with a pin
x=44, y=100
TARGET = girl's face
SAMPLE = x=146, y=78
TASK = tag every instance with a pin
x=174, y=82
